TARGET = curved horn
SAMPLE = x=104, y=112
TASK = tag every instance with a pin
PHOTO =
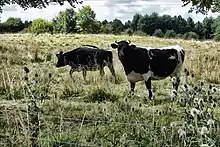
x=116, y=42
x=129, y=41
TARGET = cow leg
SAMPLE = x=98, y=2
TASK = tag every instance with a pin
x=112, y=70
x=84, y=75
x=102, y=72
x=148, y=86
x=71, y=72
x=147, y=79
x=175, y=82
x=132, y=86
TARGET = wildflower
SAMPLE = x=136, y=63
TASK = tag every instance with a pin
x=186, y=86
x=195, y=88
x=210, y=122
x=204, y=131
x=181, y=133
x=204, y=145
x=173, y=124
x=140, y=105
x=214, y=89
x=200, y=101
x=26, y=69
x=194, y=112
x=50, y=75
x=174, y=80
x=195, y=100
x=163, y=129
x=201, y=83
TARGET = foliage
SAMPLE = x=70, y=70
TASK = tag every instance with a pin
x=170, y=34
x=158, y=33
x=37, y=3
x=201, y=6
x=65, y=22
x=217, y=34
x=86, y=21
x=13, y=25
x=190, y=35
x=41, y=26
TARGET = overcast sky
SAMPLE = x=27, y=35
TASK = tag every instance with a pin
x=108, y=9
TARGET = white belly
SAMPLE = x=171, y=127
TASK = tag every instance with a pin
x=134, y=77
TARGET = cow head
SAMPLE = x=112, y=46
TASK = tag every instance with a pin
x=61, y=59
x=122, y=46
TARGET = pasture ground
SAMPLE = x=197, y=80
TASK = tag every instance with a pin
x=45, y=107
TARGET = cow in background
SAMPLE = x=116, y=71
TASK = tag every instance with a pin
x=85, y=59
x=150, y=63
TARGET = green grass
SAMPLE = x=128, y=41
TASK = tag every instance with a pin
x=72, y=113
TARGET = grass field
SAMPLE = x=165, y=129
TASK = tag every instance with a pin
x=45, y=107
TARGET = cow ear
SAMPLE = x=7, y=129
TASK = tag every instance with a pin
x=113, y=45
x=57, y=55
x=133, y=46
x=61, y=52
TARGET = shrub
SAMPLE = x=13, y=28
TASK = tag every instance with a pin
x=217, y=34
x=170, y=34
x=158, y=33
x=140, y=33
x=41, y=26
x=190, y=35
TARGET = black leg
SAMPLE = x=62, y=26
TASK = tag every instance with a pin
x=71, y=71
x=84, y=75
x=102, y=72
x=148, y=86
x=132, y=86
x=112, y=70
x=176, y=83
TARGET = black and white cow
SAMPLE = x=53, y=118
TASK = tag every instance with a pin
x=86, y=59
x=150, y=63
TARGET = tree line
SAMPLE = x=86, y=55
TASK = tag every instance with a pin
x=84, y=21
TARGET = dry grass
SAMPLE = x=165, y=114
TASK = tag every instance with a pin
x=100, y=112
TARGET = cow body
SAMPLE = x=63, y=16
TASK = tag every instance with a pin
x=86, y=59
x=150, y=63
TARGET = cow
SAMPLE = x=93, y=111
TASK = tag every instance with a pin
x=146, y=64
x=89, y=58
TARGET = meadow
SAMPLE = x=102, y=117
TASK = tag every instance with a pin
x=40, y=105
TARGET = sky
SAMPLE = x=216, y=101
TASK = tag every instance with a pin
x=108, y=9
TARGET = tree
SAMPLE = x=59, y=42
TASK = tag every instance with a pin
x=199, y=29
x=216, y=28
x=208, y=31
x=202, y=6
x=86, y=21
x=190, y=24
x=65, y=22
x=117, y=26
x=37, y=3
x=41, y=26
x=13, y=25
x=134, y=23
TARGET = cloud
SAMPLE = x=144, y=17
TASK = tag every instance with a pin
x=108, y=9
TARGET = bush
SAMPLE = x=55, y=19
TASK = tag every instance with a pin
x=158, y=33
x=41, y=26
x=170, y=34
x=140, y=33
x=190, y=35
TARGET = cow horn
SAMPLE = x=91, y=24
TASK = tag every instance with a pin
x=129, y=41
x=116, y=42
